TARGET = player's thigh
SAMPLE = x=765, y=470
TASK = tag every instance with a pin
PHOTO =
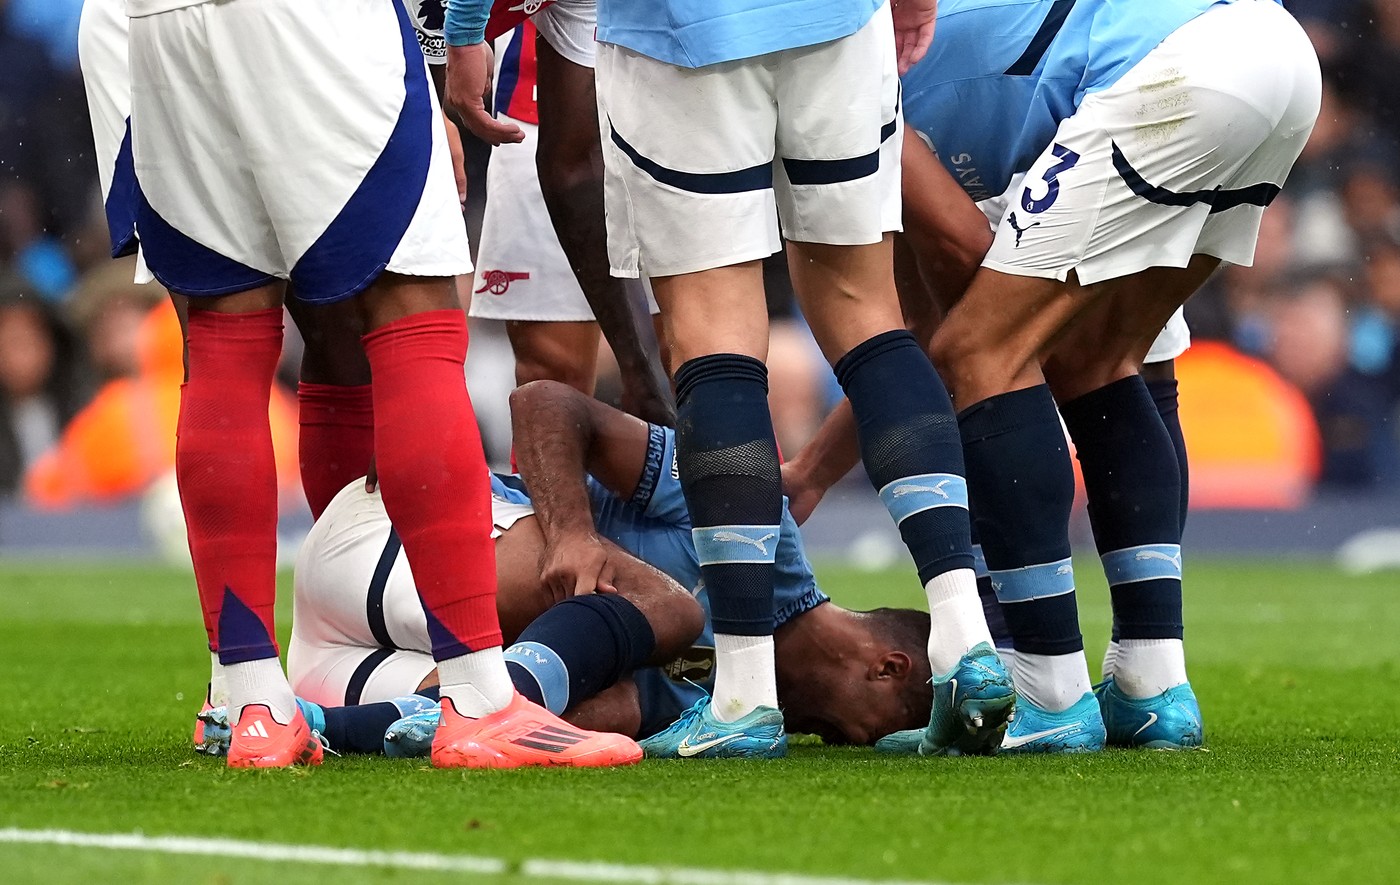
x=992, y=340
x=720, y=310
x=569, y=148
x=840, y=138
x=689, y=163
x=332, y=351
x=1110, y=339
x=520, y=597
x=566, y=352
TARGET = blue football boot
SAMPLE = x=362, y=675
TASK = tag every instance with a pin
x=412, y=736
x=698, y=735
x=1076, y=730
x=1168, y=721
x=901, y=743
x=972, y=705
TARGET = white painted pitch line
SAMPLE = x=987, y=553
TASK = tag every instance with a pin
x=532, y=868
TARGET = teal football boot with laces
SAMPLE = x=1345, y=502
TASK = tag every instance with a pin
x=1167, y=721
x=1079, y=729
x=972, y=706
x=697, y=734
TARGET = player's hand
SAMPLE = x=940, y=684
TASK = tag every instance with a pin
x=372, y=477
x=577, y=566
x=802, y=494
x=913, y=30
x=468, y=84
x=459, y=158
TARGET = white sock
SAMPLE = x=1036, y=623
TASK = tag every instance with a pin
x=218, y=682
x=259, y=682
x=1147, y=667
x=1110, y=660
x=477, y=682
x=1052, y=682
x=958, y=622
x=744, y=676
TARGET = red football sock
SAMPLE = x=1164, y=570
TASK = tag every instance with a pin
x=336, y=441
x=228, y=477
x=433, y=475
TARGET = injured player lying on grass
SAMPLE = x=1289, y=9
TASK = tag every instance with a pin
x=600, y=601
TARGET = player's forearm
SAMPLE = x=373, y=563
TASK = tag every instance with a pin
x=830, y=454
x=465, y=23
x=553, y=435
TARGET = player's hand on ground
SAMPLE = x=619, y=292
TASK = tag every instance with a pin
x=579, y=565
x=803, y=494
x=459, y=158
x=468, y=83
x=913, y=30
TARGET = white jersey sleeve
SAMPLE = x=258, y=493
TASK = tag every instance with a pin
x=427, y=17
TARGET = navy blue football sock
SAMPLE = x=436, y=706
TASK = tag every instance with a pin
x=1022, y=487
x=1164, y=396
x=728, y=462
x=1134, y=489
x=991, y=608
x=360, y=729
x=578, y=648
x=909, y=443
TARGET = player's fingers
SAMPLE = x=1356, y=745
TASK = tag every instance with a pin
x=490, y=130
x=607, y=579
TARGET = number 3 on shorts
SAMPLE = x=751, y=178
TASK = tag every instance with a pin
x=1052, y=187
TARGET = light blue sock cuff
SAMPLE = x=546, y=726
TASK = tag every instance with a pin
x=465, y=24
x=547, y=669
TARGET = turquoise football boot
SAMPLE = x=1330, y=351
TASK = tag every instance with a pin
x=901, y=743
x=412, y=736
x=1079, y=729
x=972, y=705
x=698, y=735
x=1168, y=721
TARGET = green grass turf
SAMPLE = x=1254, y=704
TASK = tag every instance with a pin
x=1297, y=668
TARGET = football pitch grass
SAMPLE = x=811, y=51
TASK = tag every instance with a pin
x=1297, y=668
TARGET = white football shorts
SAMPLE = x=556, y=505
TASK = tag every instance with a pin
x=568, y=25
x=522, y=273
x=289, y=139
x=1176, y=335
x=102, y=34
x=703, y=164
x=1178, y=158
x=359, y=634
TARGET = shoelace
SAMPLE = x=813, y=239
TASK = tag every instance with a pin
x=325, y=744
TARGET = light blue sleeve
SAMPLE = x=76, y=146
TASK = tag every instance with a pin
x=466, y=21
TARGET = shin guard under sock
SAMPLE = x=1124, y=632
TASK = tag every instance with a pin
x=228, y=477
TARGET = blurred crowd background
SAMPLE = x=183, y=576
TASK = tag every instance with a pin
x=1296, y=372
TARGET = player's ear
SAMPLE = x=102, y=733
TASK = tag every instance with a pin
x=893, y=664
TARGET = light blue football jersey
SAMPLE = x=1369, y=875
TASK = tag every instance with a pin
x=654, y=525
x=695, y=33
x=1002, y=74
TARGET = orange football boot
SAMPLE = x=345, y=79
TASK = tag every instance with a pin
x=524, y=733
x=259, y=741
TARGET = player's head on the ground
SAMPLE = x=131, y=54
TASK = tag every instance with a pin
x=873, y=680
